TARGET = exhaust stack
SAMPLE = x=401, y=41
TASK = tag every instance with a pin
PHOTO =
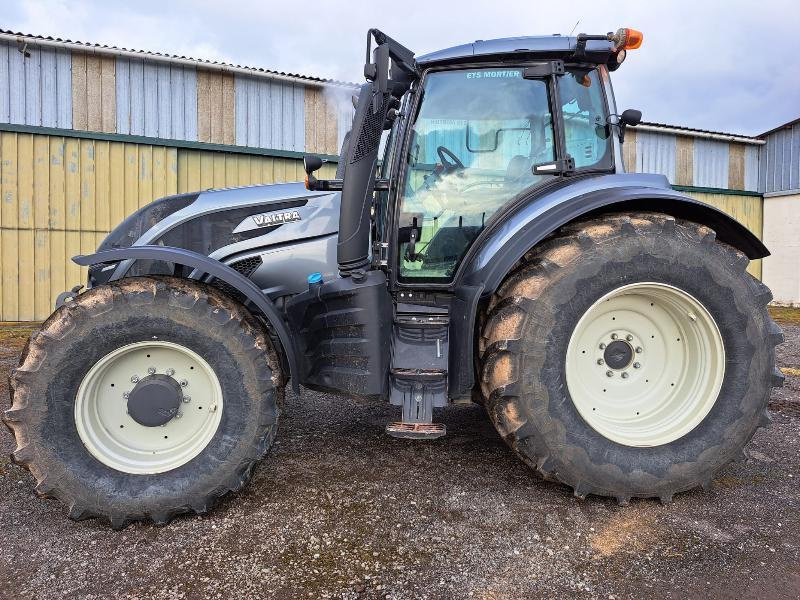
x=360, y=159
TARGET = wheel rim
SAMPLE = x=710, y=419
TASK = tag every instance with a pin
x=645, y=364
x=103, y=409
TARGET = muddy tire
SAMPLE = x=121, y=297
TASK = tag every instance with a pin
x=680, y=309
x=103, y=448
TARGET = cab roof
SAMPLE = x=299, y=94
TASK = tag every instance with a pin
x=549, y=46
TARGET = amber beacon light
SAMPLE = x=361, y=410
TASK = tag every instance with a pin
x=628, y=39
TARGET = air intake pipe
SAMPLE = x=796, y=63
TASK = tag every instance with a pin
x=359, y=178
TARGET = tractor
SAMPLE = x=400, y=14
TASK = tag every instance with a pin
x=480, y=243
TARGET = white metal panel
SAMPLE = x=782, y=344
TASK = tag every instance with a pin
x=156, y=99
x=189, y=101
x=655, y=153
x=16, y=80
x=150, y=92
x=710, y=162
x=269, y=114
x=344, y=118
x=33, y=91
x=5, y=84
x=751, y=168
x=37, y=89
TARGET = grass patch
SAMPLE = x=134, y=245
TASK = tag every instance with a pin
x=785, y=315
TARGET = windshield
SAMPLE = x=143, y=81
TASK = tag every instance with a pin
x=476, y=136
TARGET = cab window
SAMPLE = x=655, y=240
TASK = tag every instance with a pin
x=586, y=134
x=476, y=136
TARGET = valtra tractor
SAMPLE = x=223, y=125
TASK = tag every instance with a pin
x=481, y=242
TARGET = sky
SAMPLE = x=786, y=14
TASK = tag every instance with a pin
x=722, y=65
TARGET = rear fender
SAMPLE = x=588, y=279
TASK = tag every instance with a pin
x=494, y=256
x=501, y=247
x=205, y=265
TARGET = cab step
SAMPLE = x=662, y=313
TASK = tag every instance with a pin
x=416, y=431
x=418, y=374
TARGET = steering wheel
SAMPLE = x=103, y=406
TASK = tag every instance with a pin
x=449, y=161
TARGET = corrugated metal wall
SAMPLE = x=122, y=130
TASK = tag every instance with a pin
x=270, y=114
x=62, y=195
x=688, y=160
x=145, y=97
x=780, y=160
x=655, y=153
x=156, y=99
x=710, y=163
x=36, y=90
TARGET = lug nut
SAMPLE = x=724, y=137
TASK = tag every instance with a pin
x=135, y=379
x=624, y=375
x=187, y=399
x=184, y=383
x=614, y=336
x=170, y=372
x=602, y=346
x=638, y=349
x=629, y=337
x=609, y=373
x=125, y=395
x=636, y=365
x=151, y=370
x=178, y=415
x=600, y=361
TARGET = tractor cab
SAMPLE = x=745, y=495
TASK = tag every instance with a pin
x=469, y=134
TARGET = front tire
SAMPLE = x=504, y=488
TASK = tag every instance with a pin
x=681, y=396
x=144, y=399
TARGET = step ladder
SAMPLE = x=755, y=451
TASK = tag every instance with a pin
x=418, y=373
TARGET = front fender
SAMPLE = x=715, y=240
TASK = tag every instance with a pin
x=493, y=256
x=205, y=265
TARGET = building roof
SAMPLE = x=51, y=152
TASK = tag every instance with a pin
x=90, y=47
x=786, y=125
x=694, y=132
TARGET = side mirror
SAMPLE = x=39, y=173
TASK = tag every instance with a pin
x=311, y=164
x=630, y=116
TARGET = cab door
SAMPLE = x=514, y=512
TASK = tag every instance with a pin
x=471, y=149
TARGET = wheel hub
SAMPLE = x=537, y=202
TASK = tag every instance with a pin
x=618, y=354
x=155, y=400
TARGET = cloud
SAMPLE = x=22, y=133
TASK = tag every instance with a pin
x=713, y=65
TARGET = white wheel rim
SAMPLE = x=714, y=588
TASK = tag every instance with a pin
x=672, y=378
x=114, y=438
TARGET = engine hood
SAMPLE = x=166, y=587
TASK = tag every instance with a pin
x=222, y=223
x=241, y=209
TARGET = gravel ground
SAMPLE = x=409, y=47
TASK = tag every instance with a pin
x=339, y=510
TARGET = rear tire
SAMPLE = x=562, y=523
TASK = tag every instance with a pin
x=90, y=460
x=534, y=328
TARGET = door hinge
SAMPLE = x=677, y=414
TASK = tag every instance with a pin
x=556, y=167
x=380, y=254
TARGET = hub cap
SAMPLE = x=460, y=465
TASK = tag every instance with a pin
x=645, y=364
x=148, y=407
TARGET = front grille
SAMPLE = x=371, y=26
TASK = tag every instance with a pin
x=245, y=266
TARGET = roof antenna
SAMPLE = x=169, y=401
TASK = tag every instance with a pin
x=574, y=27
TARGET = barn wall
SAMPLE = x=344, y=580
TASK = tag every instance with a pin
x=61, y=195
